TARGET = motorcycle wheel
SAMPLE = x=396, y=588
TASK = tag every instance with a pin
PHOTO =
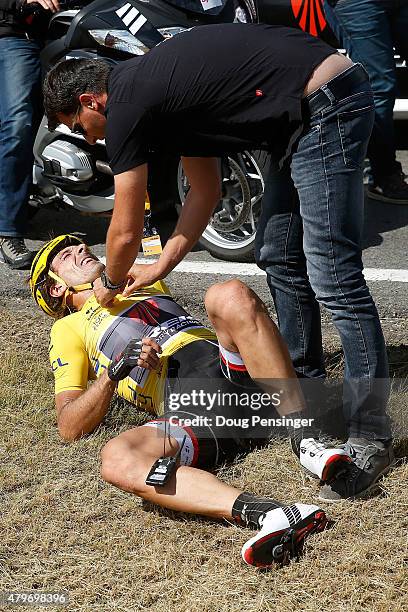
x=230, y=235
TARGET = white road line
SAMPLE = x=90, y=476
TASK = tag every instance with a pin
x=396, y=276
x=242, y=269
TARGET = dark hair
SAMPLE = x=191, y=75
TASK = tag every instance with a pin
x=67, y=81
x=55, y=303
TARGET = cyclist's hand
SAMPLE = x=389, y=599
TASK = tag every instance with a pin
x=142, y=353
x=150, y=355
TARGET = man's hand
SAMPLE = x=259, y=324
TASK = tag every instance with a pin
x=141, y=275
x=150, y=354
x=103, y=296
x=143, y=353
x=48, y=5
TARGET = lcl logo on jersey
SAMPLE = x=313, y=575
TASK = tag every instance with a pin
x=57, y=363
x=310, y=15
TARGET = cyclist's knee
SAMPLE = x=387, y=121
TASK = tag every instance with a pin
x=232, y=302
x=126, y=459
x=211, y=299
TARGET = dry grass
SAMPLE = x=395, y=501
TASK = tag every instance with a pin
x=63, y=528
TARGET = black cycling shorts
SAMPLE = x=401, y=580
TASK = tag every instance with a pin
x=209, y=437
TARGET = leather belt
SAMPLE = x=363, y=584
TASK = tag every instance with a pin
x=340, y=87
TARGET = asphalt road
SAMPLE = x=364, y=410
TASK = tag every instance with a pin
x=385, y=247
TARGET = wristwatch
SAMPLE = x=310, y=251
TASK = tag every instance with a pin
x=107, y=283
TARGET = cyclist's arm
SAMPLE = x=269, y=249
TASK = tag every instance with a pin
x=79, y=409
x=80, y=412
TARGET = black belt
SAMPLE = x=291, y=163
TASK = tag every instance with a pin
x=339, y=87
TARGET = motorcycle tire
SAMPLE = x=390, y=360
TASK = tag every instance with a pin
x=231, y=234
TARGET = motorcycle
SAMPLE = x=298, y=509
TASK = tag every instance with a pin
x=68, y=172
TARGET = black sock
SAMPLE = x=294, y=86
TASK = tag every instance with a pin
x=249, y=510
x=297, y=434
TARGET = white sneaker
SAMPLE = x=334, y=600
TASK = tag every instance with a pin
x=283, y=533
x=322, y=461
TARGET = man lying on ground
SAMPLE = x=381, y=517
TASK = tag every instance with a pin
x=146, y=346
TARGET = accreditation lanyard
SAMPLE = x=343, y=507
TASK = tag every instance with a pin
x=151, y=242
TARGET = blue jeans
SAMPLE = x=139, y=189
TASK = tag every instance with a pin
x=309, y=242
x=368, y=30
x=20, y=115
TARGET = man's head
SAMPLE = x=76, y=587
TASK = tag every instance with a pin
x=75, y=95
x=63, y=267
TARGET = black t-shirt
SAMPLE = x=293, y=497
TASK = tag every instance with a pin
x=211, y=90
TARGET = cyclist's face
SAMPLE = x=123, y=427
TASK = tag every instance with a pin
x=76, y=265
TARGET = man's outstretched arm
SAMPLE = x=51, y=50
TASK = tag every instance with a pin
x=80, y=412
x=204, y=194
x=125, y=229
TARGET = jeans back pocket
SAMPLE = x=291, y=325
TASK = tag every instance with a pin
x=355, y=130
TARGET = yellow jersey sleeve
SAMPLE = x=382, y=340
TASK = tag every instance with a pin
x=68, y=357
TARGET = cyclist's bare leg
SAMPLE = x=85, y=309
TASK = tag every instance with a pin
x=126, y=462
x=127, y=459
x=243, y=325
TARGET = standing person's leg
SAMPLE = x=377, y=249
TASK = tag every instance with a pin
x=327, y=170
x=20, y=99
x=366, y=29
x=279, y=251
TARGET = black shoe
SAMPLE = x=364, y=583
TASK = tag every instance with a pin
x=15, y=254
x=392, y=189
x=371, y=460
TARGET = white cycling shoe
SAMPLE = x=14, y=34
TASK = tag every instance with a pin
x=283, y=533
x=321, y=461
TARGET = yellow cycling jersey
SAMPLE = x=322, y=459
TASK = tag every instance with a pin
x=85, y=342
